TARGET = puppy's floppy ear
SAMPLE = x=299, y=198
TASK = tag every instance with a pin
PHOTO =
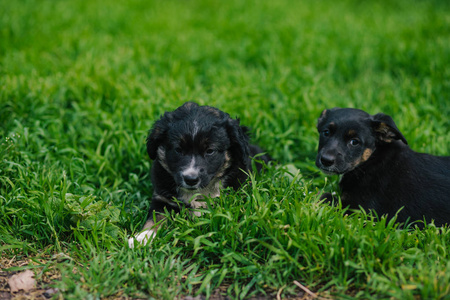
x=156, y=135
x=239, y=140
x=385, y=129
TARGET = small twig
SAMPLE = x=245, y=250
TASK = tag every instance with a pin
x=305, y=289
x=279, y=293
x=12, y=259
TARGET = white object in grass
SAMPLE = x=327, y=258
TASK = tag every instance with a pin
x=144, y=238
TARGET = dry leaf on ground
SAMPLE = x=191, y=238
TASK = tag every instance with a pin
x=22, y=281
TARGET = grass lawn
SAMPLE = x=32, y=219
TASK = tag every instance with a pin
x=81, y=83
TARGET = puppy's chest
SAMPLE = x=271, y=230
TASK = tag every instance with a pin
x=191, y=198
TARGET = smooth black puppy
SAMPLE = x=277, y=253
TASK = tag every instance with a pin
x=197, y=151
x=380, y=171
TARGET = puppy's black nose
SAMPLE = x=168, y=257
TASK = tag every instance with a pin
x=191, y=179
x=327, y=160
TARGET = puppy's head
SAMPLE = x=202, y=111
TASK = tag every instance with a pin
x=196, y=144
x=348, y=138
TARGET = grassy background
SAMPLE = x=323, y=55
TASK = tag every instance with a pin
x=81, y=82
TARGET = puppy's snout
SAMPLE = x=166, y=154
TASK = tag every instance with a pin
x=191, y=180
x=327, y=160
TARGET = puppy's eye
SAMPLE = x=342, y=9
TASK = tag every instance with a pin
x=210, y=151
x=326, y=132
x=178, y=150
x=354, y=142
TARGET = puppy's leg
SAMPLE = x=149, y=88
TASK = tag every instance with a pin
x=148, y=233
x=329, y=198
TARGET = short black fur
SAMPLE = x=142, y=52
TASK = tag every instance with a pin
x=379, y=170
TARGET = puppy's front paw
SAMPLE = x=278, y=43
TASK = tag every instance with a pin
x=145, y=237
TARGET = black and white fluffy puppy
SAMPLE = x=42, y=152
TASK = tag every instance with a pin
x=380, y=172
x=197, y=150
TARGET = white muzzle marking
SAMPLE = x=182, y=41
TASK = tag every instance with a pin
x=191, y=170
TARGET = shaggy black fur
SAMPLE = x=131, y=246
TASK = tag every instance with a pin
x=380, y=171
x=196, y=150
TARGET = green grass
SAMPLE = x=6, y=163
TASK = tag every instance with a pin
x=81, y=83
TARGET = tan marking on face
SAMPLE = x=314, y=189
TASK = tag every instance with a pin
x=225, y=165
x=351, y=132
x=367, y=153
x=364, y=157
x=356, y=163
x=162, y=158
